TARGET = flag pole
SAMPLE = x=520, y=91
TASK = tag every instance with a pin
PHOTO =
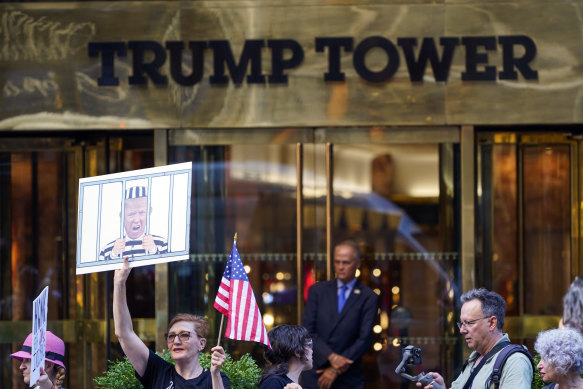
x=220, y=330
x=223, y=316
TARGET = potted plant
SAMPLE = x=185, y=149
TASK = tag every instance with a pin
x=243, y=373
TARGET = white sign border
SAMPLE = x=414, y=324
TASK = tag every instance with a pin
x=142, y=260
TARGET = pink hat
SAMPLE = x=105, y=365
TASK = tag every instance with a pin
x=54, y=350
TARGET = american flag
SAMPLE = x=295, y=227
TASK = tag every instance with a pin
x=236, y=300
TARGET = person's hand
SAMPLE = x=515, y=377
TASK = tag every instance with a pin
x=436, y=377
x=121, y=275
x=293, y=385
x=148, y=244
x=118, y=247
x=218, y=357
x=43, y=381
x=339, y=362
x=327, y=378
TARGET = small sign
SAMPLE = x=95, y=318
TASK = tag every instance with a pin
x=39, y=334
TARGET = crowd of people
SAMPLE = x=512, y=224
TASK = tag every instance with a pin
x=326, y=351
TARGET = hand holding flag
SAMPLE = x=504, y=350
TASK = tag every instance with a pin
x=236, y=300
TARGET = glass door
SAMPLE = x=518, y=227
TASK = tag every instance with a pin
x=395, y=191
x=39, y=177
x=36, y=192
x=529, y=224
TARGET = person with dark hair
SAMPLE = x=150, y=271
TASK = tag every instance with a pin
x=561, y=358
x=339, y=316
x=186, y=338
x=481, y=323
x=290, y=354
x=53, y=375
x=136, y=240
x=573, y=306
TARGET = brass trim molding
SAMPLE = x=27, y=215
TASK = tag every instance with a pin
x=468, y=245
x=528, y=326
x=72, y=330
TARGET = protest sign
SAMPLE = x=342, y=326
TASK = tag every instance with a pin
x=39, y=334
x=143, y=214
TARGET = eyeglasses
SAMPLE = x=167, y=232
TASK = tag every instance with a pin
x=183, y=336
x=469, y=323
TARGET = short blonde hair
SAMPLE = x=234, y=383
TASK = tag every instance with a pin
x=201, y=326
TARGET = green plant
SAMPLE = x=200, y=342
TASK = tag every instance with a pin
x=243, y=373
x=120, y=375
x=537, y=381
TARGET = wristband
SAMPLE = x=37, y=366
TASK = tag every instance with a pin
x=334, y=370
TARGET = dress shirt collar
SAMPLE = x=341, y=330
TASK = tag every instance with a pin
x=350, y=285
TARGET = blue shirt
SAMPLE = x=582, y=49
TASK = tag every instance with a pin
x=350, y=286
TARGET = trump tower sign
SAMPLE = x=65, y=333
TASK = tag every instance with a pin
x=255, y=64
x=287, y=54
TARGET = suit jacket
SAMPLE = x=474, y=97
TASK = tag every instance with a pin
x=348, y=333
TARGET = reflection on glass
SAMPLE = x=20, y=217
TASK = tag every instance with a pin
x=248, y=190
x=501, y=223
x=547, y=227
x=525, y=210
x=386, y=198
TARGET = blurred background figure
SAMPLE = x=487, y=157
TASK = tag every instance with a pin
x=561, y=358
x=573, y=306
x=290, y=354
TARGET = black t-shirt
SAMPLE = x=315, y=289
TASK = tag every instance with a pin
x=160, y=374
x=275, y=382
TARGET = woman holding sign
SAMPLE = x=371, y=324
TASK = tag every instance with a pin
x=186, y=338
x=53, y=375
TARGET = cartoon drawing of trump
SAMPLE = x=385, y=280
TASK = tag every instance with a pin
x=136, y=239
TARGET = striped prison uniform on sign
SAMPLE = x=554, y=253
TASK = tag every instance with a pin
x=236, y=300
x=136, y=191
x=133, y=248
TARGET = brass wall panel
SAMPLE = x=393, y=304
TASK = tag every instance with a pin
x=48, y=80
x=221, y=136
x=555, y=97
x=528, y=326
x=392, y=135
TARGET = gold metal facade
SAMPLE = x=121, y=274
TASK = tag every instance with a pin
x=45, y=61
x=50, y=93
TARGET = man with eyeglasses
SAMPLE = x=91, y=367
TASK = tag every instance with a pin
x=481, y=323
x=186, y=338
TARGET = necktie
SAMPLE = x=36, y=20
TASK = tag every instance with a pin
x=342, y=297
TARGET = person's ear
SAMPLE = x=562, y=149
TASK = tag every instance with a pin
x=202, y=343
x=493, y=322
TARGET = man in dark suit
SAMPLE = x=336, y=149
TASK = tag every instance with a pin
x=339, y=315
